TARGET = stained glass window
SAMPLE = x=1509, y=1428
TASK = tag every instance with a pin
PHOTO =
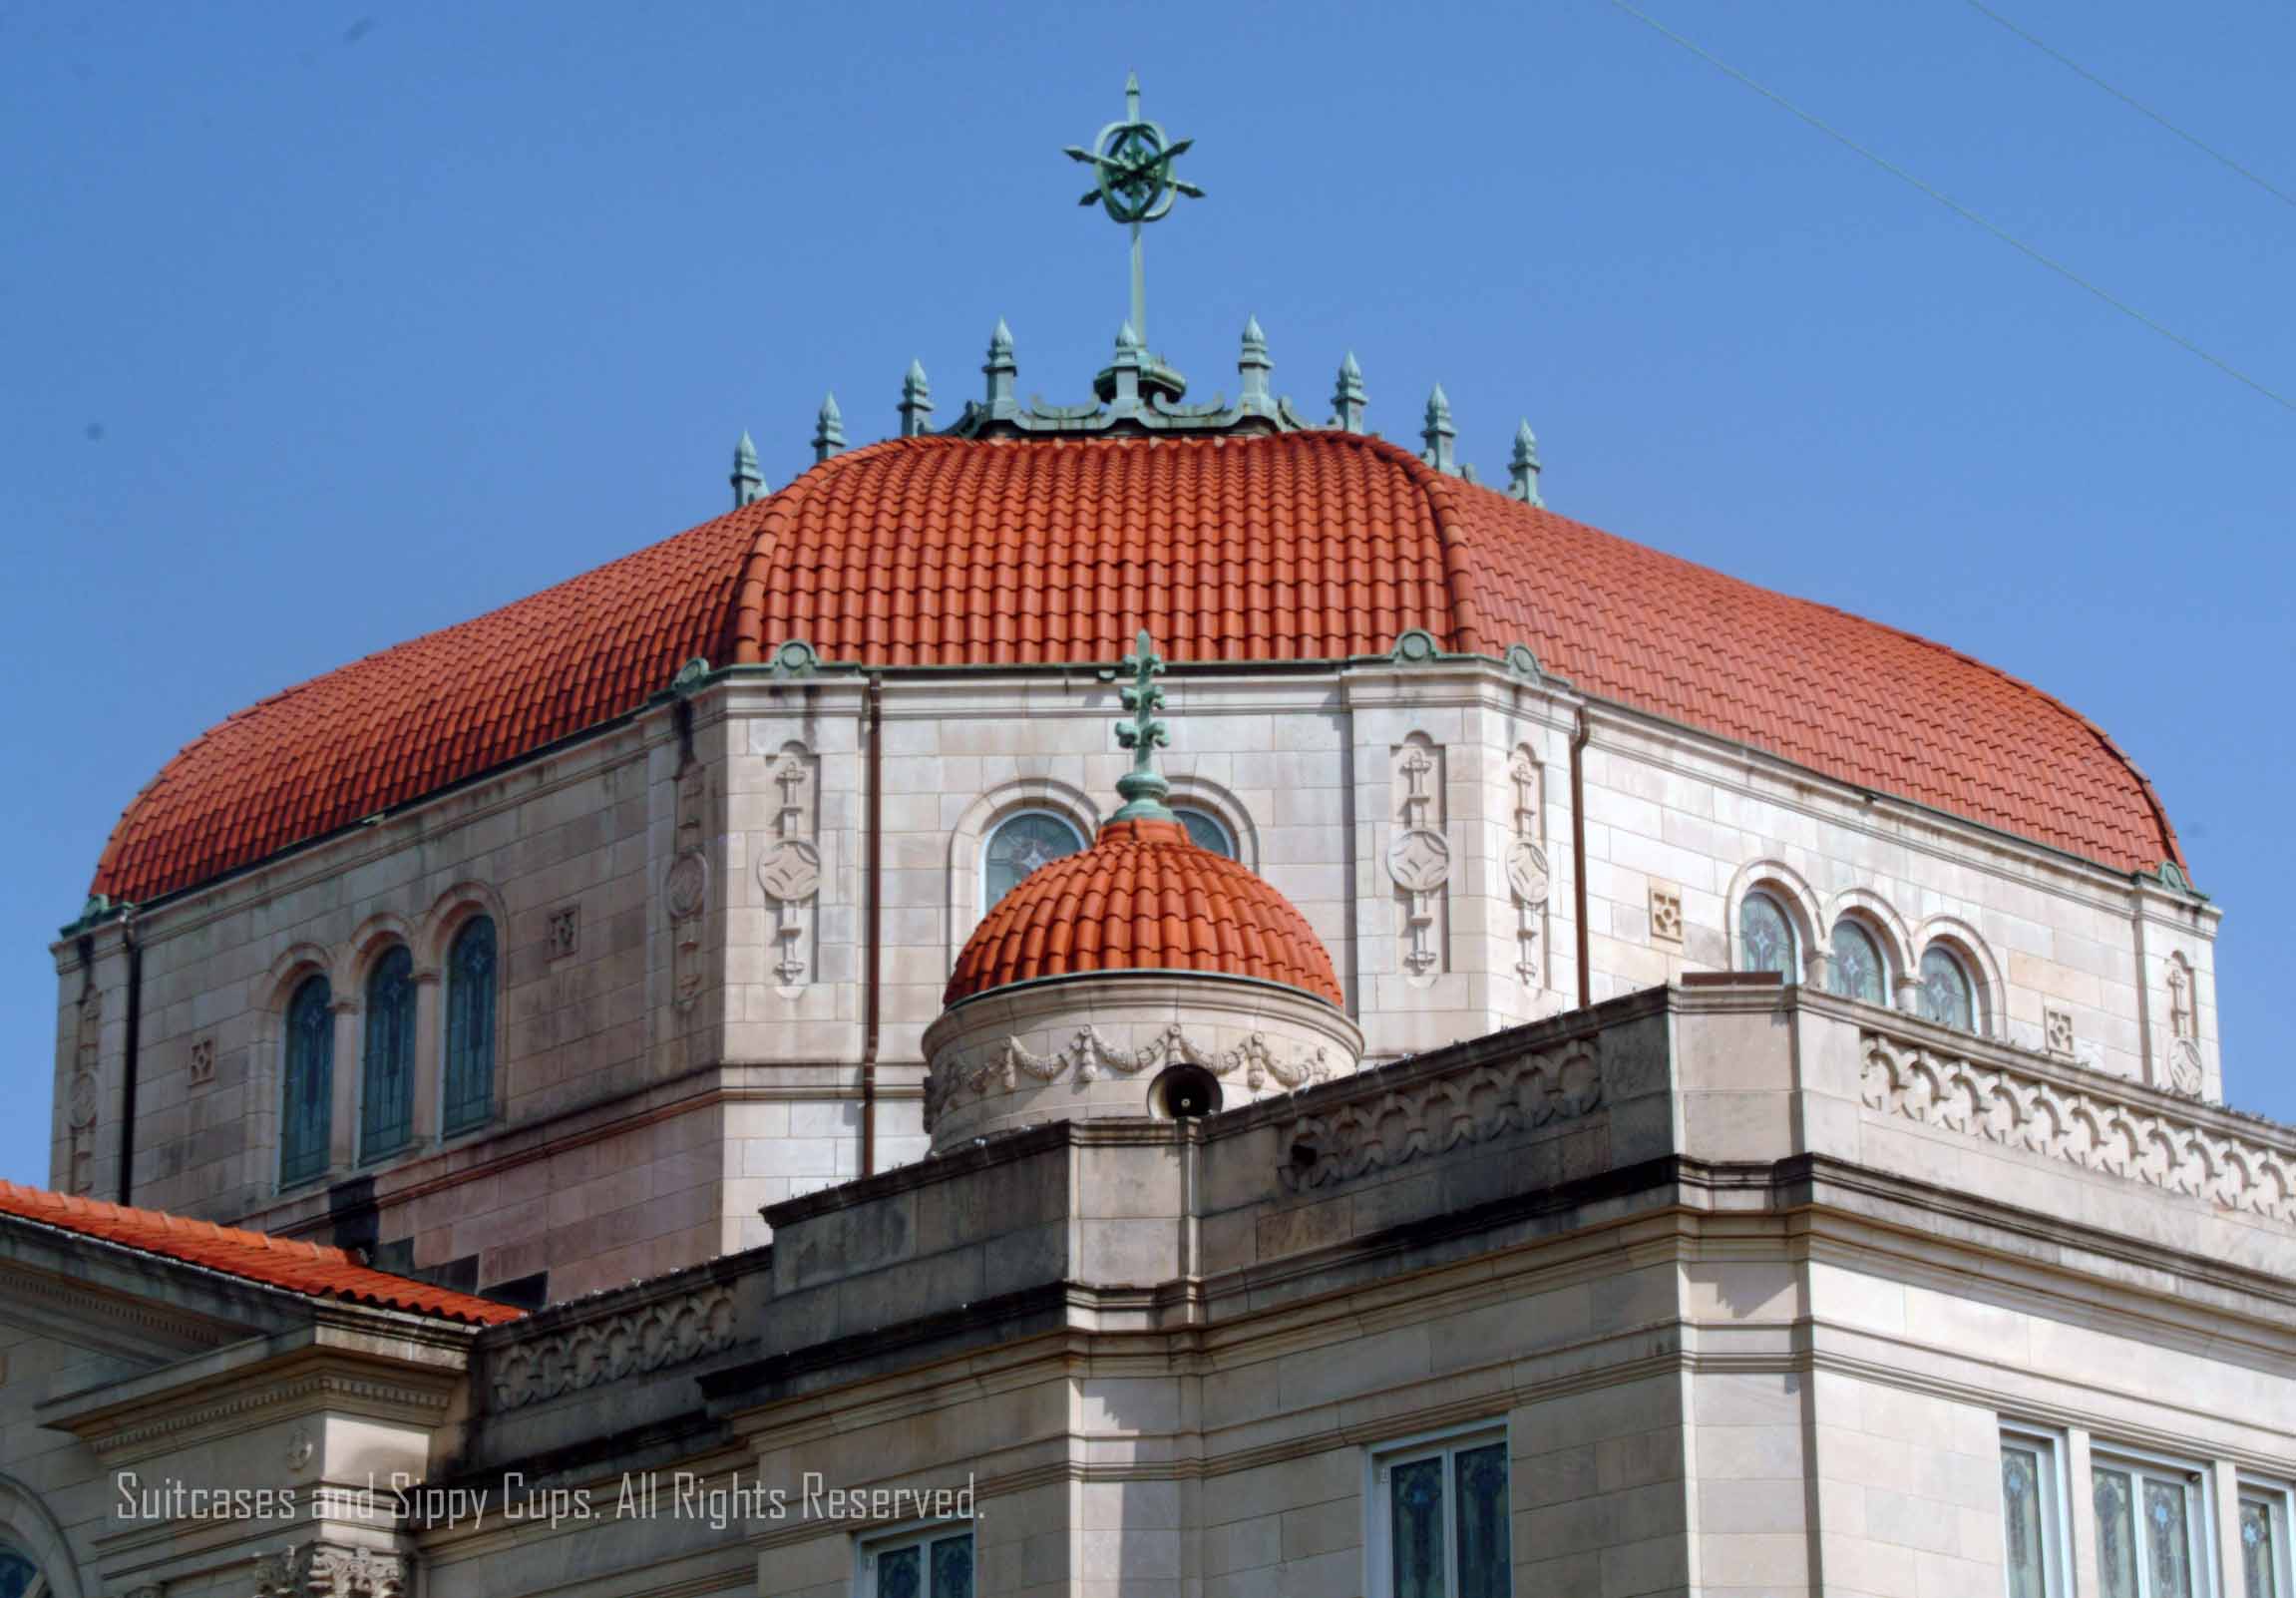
x=19, y=1576
x=2025, y=1551
x=1447, y=1522
x=2116, y=1533
x=2260, y=1548
x=307, y=1087
x=1021, y=844
x=1857, y=967
x=1765, y=937
x=387, y=1065
x=1948, y=998
x=932, y=1564
x=2145, y=1525
x=470, y=1066
x=1205, y=830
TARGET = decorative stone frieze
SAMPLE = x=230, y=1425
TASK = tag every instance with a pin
x=330, y=1570
x=789, y=867
x=1253, y=1060
x=2088, y=1128
x=1419, y=857
x=647, y=1338
x=1393, y=1128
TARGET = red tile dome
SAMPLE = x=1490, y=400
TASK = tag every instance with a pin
x=1301, y=547
x=1144, y=896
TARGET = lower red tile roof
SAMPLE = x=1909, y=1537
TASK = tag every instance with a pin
x=1144, y=896
x=1300, y=547
x=312, y=1268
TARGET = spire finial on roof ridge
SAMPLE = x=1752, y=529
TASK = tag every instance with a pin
x=1144, y=787
x=827, y=429
x=915, y=401
x=748, y=482
x=1253, y=366
x=1349, y=399
x=1523, y=469
x=1131, y=164
x=1002, y=372
x=1440, y=434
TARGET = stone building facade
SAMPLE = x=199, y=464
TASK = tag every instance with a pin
x=693, y=1084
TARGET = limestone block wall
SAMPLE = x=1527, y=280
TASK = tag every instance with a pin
x=685, y=895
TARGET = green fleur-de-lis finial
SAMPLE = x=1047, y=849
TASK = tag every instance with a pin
x=1131, y=164
x=1143, y=787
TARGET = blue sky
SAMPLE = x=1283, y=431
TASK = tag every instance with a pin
x=325, y=325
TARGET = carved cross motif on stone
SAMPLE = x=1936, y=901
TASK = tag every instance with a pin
x=1526, y=779
x=1666, y=914
x=2180, y=1008
x=790, y=781
x=2057, y=1031
x=202, y=1070
x=565, y=931
x=1416, y=767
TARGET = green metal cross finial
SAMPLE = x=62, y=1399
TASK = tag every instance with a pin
x=1131, y=163
x=1143, y=787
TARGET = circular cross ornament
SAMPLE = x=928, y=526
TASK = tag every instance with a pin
x=1419, y=860
x=1527, y=872
x=1131, y=161
x=791, y=870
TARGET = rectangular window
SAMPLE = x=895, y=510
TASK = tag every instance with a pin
x=2032, y=1514
x=2152, y=1529
x=1440, y=1518
x=2266, y=1567
x=929, y=1562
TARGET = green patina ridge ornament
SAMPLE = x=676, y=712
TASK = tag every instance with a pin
x=1143, y=787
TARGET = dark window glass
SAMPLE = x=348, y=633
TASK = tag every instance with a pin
x=470, y=1066
x=307, y=1107
x=387, y=1074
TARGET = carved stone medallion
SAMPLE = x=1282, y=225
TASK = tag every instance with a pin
x=1527, y=872
x=84, y=1094
x=685, y=886
x=1419, y=860
x=790, y=870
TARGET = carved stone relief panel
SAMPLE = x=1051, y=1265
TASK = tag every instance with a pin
x=202, y=1064
x=1665, y=913
x=685, y=889
x=330, y=1570
x=1529, y=880
x=565, y=931
x=789, y=866
x=2181, y=1058
x=2057, y=1032
x=85, y=1092
x=1419, y=857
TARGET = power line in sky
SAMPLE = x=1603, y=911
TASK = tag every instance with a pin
x=1958, y=209
x=2135, y=104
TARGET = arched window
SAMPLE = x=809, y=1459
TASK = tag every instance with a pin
x=1018, y=846
x=1765, y=937
x=307, y=1096
x=1858, y=971
x=20, y=1576
x=470, y=1073
x=1948, y=996
x=1205, y=830
x=387, y=1073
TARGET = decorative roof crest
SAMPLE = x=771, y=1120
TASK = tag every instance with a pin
x=1144, y=787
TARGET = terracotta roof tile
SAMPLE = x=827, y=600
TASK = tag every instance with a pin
x=1302, y=546
x=315, y=1269
x=1144, y=896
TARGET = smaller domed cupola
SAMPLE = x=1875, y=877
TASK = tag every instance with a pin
x=1145, y=976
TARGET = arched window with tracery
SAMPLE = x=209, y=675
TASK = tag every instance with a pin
x=387, y=1067
x=1765, y=937
x=308, y=1082
x=470, y=1054
x=1948, y=996
x=1858, y=971
x=1019, y=845
x=1206, y=830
